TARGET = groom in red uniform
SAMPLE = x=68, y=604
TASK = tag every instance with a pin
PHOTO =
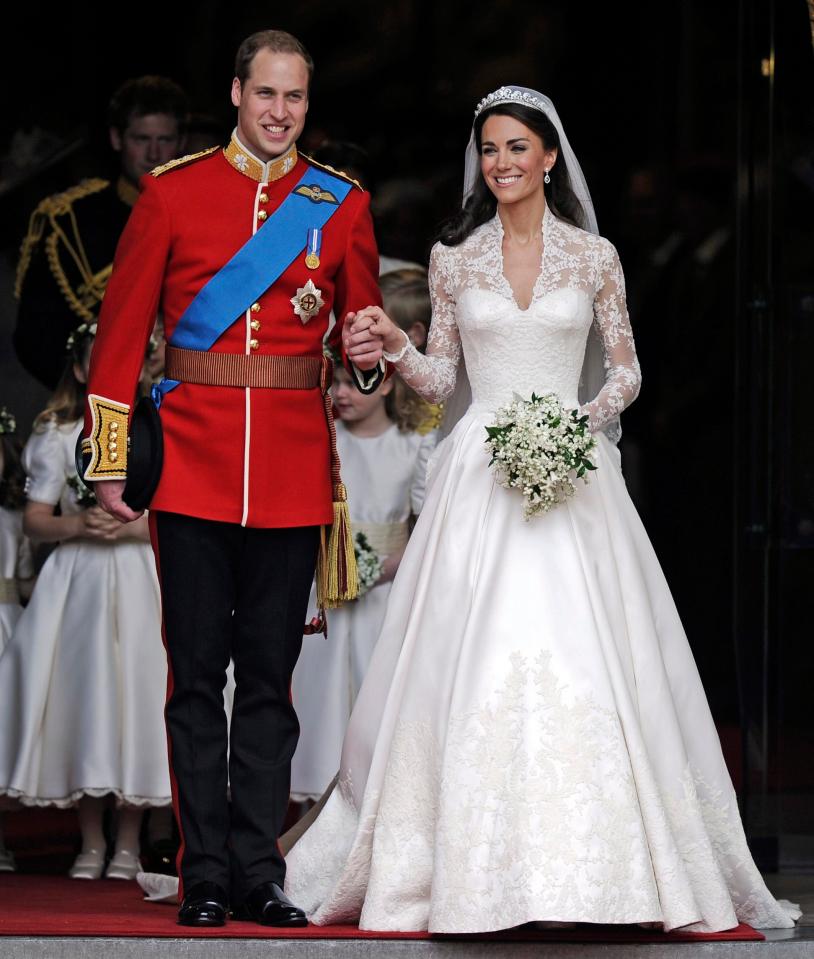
x=245, y=251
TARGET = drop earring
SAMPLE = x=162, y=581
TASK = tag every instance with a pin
x=546, y=178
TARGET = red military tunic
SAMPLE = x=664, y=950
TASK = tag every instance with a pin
x=259, y=457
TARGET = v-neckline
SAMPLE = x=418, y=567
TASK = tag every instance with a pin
x=508, y=289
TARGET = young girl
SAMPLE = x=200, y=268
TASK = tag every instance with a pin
x=406, y=297
x=384, y=457
x=82, y=679
x=16, y=566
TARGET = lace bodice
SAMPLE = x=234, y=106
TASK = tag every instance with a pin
x=541, y=349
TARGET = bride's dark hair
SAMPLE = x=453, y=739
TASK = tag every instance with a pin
x=481, y=205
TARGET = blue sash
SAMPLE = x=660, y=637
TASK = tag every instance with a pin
x=257, y=265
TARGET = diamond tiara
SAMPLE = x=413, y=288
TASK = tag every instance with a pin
x=509, y=95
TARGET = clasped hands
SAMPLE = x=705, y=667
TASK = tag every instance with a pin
x=367, y=333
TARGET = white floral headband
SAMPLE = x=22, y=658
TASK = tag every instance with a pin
x=84, y=329
x=8, y=424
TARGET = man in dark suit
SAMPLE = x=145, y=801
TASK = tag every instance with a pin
x=67, y=256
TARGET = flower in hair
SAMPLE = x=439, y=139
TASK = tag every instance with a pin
x=84, y=329
x=8, y=424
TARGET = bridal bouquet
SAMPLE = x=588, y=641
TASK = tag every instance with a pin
x=368, y=563
x=540, y=448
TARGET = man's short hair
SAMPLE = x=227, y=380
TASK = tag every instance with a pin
x=143, y=96
x=277, y=41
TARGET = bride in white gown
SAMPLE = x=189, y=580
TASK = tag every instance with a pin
x=532, y=741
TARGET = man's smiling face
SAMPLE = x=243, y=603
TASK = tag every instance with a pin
x=271, y=103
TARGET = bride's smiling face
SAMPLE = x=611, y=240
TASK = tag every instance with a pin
x=513, y=159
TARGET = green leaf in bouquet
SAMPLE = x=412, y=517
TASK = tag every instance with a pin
x=362, y=542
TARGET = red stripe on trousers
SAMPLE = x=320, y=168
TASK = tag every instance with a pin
x=152, y=520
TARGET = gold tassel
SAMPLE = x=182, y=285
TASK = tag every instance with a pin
x=337, y=576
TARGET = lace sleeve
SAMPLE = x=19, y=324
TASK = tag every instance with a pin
x=622, y=374
x=432, y=374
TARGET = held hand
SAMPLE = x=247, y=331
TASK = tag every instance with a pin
x=109, y=496
x=390, y=567
x=99, y=525
x=362, y=347
x=378, y=324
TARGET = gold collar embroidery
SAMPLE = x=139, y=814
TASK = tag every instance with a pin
x=248, y=164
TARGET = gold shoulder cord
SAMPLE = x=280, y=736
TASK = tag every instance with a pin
x=47, y=214
x=182, y=161
x=330, y=169
x=36, y=227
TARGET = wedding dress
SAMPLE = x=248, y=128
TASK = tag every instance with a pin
x=532, y=741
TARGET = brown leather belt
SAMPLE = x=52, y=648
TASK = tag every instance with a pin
x=256, y=370
x=336, y=573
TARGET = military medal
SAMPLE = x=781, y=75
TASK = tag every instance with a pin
x=307, y=302
x=313, y=246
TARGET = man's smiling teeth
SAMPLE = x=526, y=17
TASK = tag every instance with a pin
x=274, y=129
x=504, y=180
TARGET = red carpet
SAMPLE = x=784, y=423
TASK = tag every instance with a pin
x=58, y=906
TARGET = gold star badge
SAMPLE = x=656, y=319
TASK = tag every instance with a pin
x=307, y=302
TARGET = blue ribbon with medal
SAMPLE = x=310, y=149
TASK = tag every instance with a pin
x=313, y=247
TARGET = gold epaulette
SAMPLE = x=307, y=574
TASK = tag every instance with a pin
x=47, y=211
x=330, y=169
x=182, y=161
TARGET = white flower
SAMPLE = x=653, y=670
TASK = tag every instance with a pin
x=368, y=563
x=540, y=448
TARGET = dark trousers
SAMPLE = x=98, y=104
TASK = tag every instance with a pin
x=231, y=591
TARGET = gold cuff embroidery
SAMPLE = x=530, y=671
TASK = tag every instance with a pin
x=108, y=439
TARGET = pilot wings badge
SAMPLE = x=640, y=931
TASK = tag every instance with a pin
x=316, y=194
x=307, y=301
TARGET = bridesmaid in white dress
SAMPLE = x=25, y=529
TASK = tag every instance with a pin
x=532, y=741
x=383, y=467
x=83, y=676
x=16, y=560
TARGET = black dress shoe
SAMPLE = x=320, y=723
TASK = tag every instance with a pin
x=205, y=904
x=269, y=905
